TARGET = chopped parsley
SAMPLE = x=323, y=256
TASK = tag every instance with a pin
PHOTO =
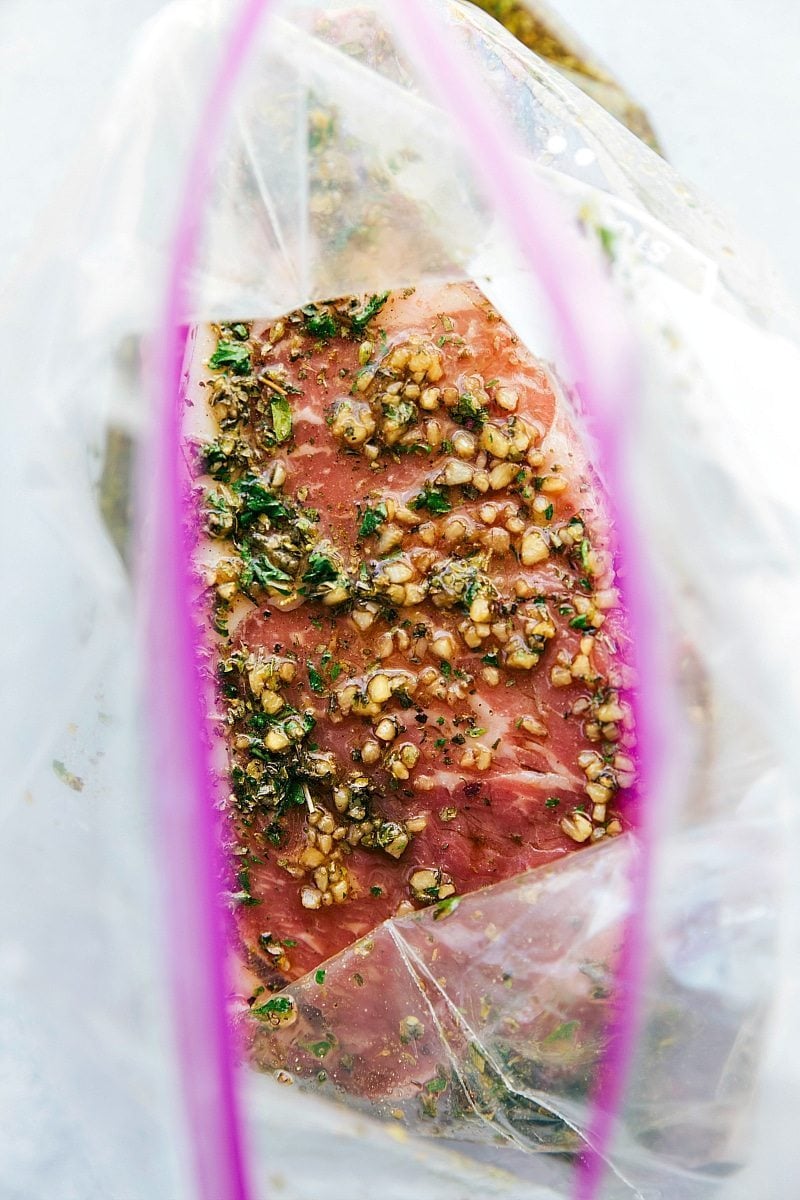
x=361, y=318
x=232, y=356
x=433, y=499
x=320, y=569
x=372, y=519
x=332, y=669
x=314, y=678
x=552, y=802
x=581, y=622
x=320, y=975
x=258, y=569
x=439, y=1082
x=256, y=500
x=278, y=1006
x=469, y=411
x=319, y=321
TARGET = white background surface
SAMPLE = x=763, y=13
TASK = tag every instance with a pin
x=720, y=79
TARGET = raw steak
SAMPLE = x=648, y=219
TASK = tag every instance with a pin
x=420, y=651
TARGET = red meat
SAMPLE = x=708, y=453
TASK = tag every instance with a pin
x=494, y=745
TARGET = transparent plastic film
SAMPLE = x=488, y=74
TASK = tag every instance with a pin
x=327, y=252
x=413, y=1035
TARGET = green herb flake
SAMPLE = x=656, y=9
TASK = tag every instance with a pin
x=278, y=1006
x=491, y=659
x=320, y=1049
x=243, y=899
x=469, y=411
x=433, y=499
x=320, y=976
x=72, y=781
x=320, y=569
x=319, y=322
x=607, y=241
x=476, y=731
x=360, y=319
x=281, y=418
x=323, y=572
x=375, y=890
x=438, y=1084
x=255, y=501
x=581, y=622
x=445, y=907
x=552, y=802
x=231, y=356
x=315, y=680
x=371, y=520
x=548, y=512
x=289, y=943
x=562, y=1033
x=259, y=569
